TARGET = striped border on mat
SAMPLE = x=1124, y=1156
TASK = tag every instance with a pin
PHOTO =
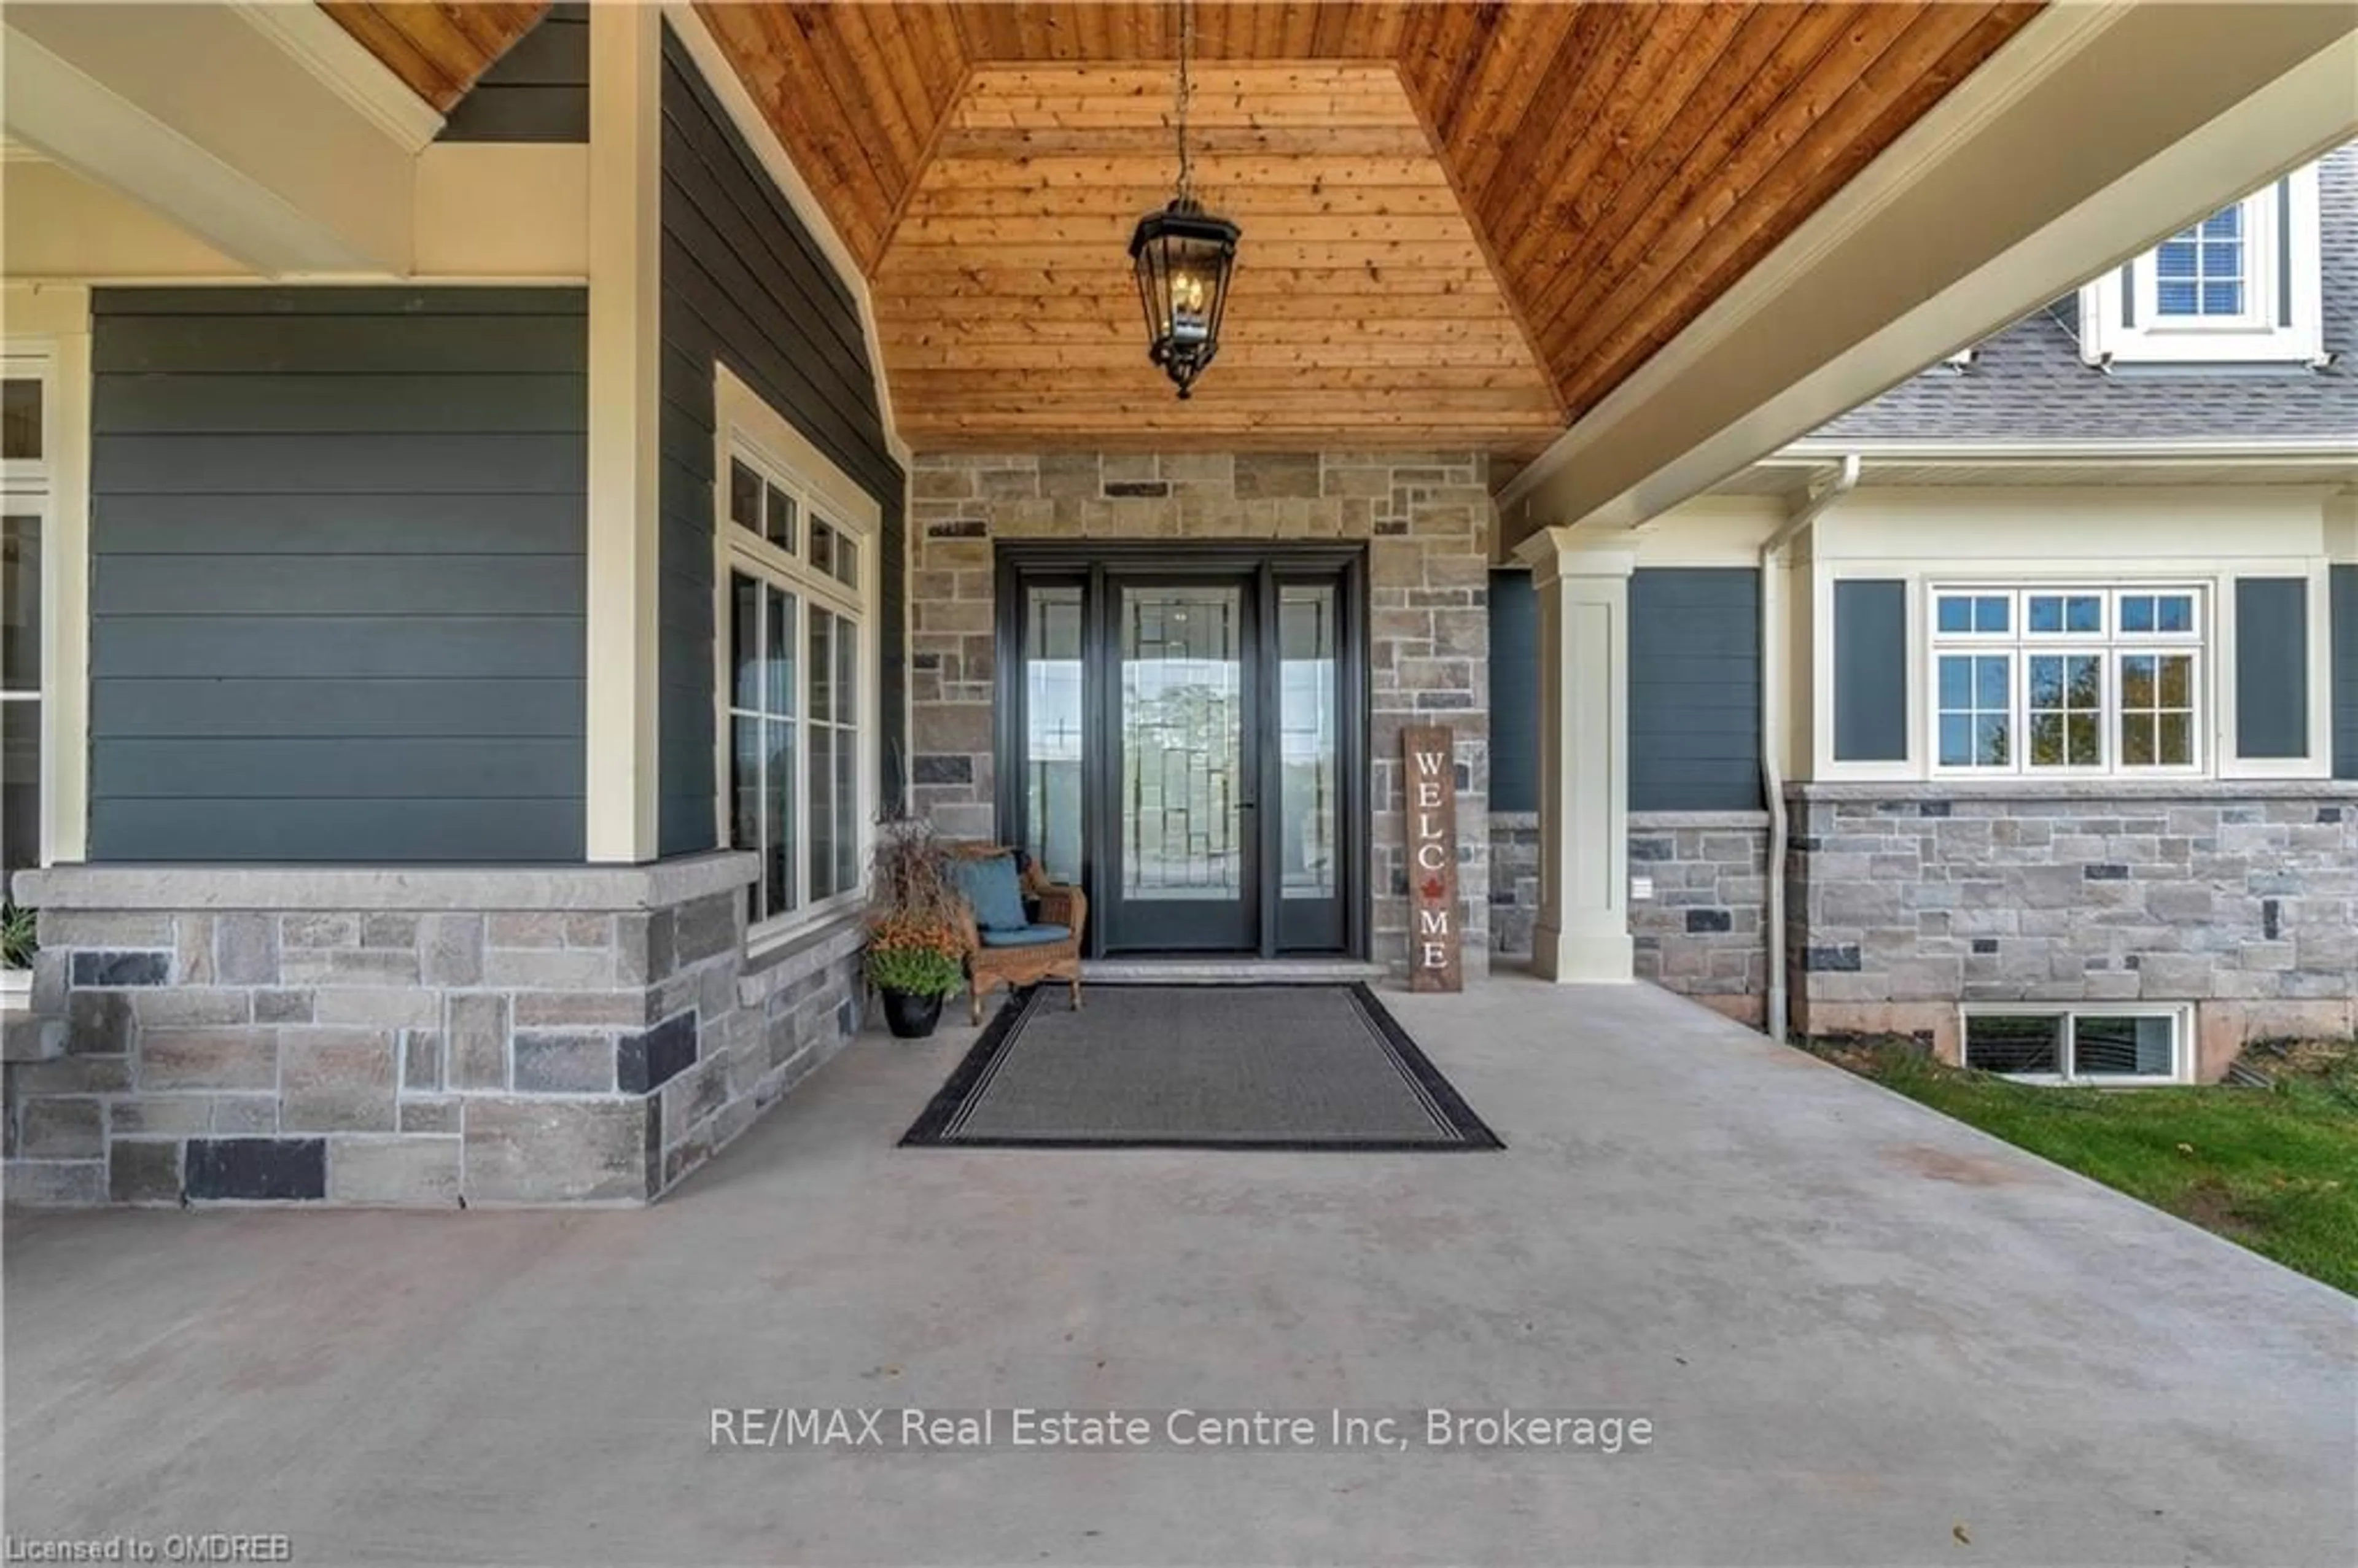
x=939, y=1125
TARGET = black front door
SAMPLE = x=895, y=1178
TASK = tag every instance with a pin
x=1180, y=733
x=1181, y=792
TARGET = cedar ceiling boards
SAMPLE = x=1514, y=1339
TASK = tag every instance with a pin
x=1363, y=309
x=1464, y=223
x=438, y=50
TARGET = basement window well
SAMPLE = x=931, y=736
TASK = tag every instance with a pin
x=2103, y=1046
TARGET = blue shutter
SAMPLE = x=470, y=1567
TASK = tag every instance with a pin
x=2271, y=666
x=1870, y=670
x=2345, y=672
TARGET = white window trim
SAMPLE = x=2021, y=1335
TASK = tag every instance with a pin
x=2120, y=322
x=2317, y=761
x=51, y=322
x=2021, y=644
x=743, y=422
x=28, y=488
x=2182, y=1043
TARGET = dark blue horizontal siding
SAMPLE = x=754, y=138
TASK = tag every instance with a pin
x=745, y=285
x=1514, y=692
x=1694, y=690
x=2345, y=672
x=271, y=585
x=351, y=707
x=461, y=831
x=343, y=767
x=519, y=302
x=537, y=92
x=340, y=404
x=392, y=525
x=210, y=644
x=313, y=463
x=384, y=342
x=337, y=594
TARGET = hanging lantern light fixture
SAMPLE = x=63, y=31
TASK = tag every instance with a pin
x=1183, y=255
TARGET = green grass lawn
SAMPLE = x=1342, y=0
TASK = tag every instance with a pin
x=2275, y=1169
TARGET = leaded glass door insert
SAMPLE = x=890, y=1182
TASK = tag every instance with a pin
x=1185, y=796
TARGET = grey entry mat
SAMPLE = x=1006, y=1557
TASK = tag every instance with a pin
x=1267, y=1066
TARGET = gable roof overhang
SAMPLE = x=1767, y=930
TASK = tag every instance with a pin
x=2099, y=131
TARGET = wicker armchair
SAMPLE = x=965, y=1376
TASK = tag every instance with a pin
x=989, y=968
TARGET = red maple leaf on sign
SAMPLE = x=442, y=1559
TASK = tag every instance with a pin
x=1432, y=887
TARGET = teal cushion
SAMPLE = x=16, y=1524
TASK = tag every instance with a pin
x=1026, y=936
x=991, y=891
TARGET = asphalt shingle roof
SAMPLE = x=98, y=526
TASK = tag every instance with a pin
x=2028, y=381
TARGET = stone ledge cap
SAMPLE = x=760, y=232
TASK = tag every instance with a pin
x=1726, y=821
x=657, y=885
x=2226, y=792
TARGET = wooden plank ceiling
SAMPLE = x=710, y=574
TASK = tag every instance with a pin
x=1363, y=307
x=1463, y=222
x=437, y=50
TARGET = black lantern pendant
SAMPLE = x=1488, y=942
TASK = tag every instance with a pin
x=1183, y=255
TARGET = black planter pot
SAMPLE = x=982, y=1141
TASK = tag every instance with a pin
x=910, y=1016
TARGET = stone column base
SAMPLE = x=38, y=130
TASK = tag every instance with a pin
x=408, y=1036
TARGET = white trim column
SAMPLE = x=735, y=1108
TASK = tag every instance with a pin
x=65, y=583
x=1582, y=933
x=625, y=365
x=49, y=326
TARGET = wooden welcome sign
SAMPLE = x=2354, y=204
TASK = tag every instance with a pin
x=1434, y=960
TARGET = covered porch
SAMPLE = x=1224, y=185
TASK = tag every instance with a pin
x=1862, y=1332
x=744, y=418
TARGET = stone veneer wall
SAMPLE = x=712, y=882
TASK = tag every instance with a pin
x=1427, y=521
x=2240, y=898
x=1699, y=935
x=414, y=1037
x=1514, y=882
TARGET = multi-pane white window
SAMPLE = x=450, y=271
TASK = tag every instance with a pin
x=2066, y=680
x=2202, y=271
x=793, y=635
x=25, y=420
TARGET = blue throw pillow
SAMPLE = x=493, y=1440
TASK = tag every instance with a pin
x=992, y=891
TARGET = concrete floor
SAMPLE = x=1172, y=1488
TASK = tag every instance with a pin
x=1865, y=1333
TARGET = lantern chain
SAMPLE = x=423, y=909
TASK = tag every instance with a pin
x=1186, y=90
